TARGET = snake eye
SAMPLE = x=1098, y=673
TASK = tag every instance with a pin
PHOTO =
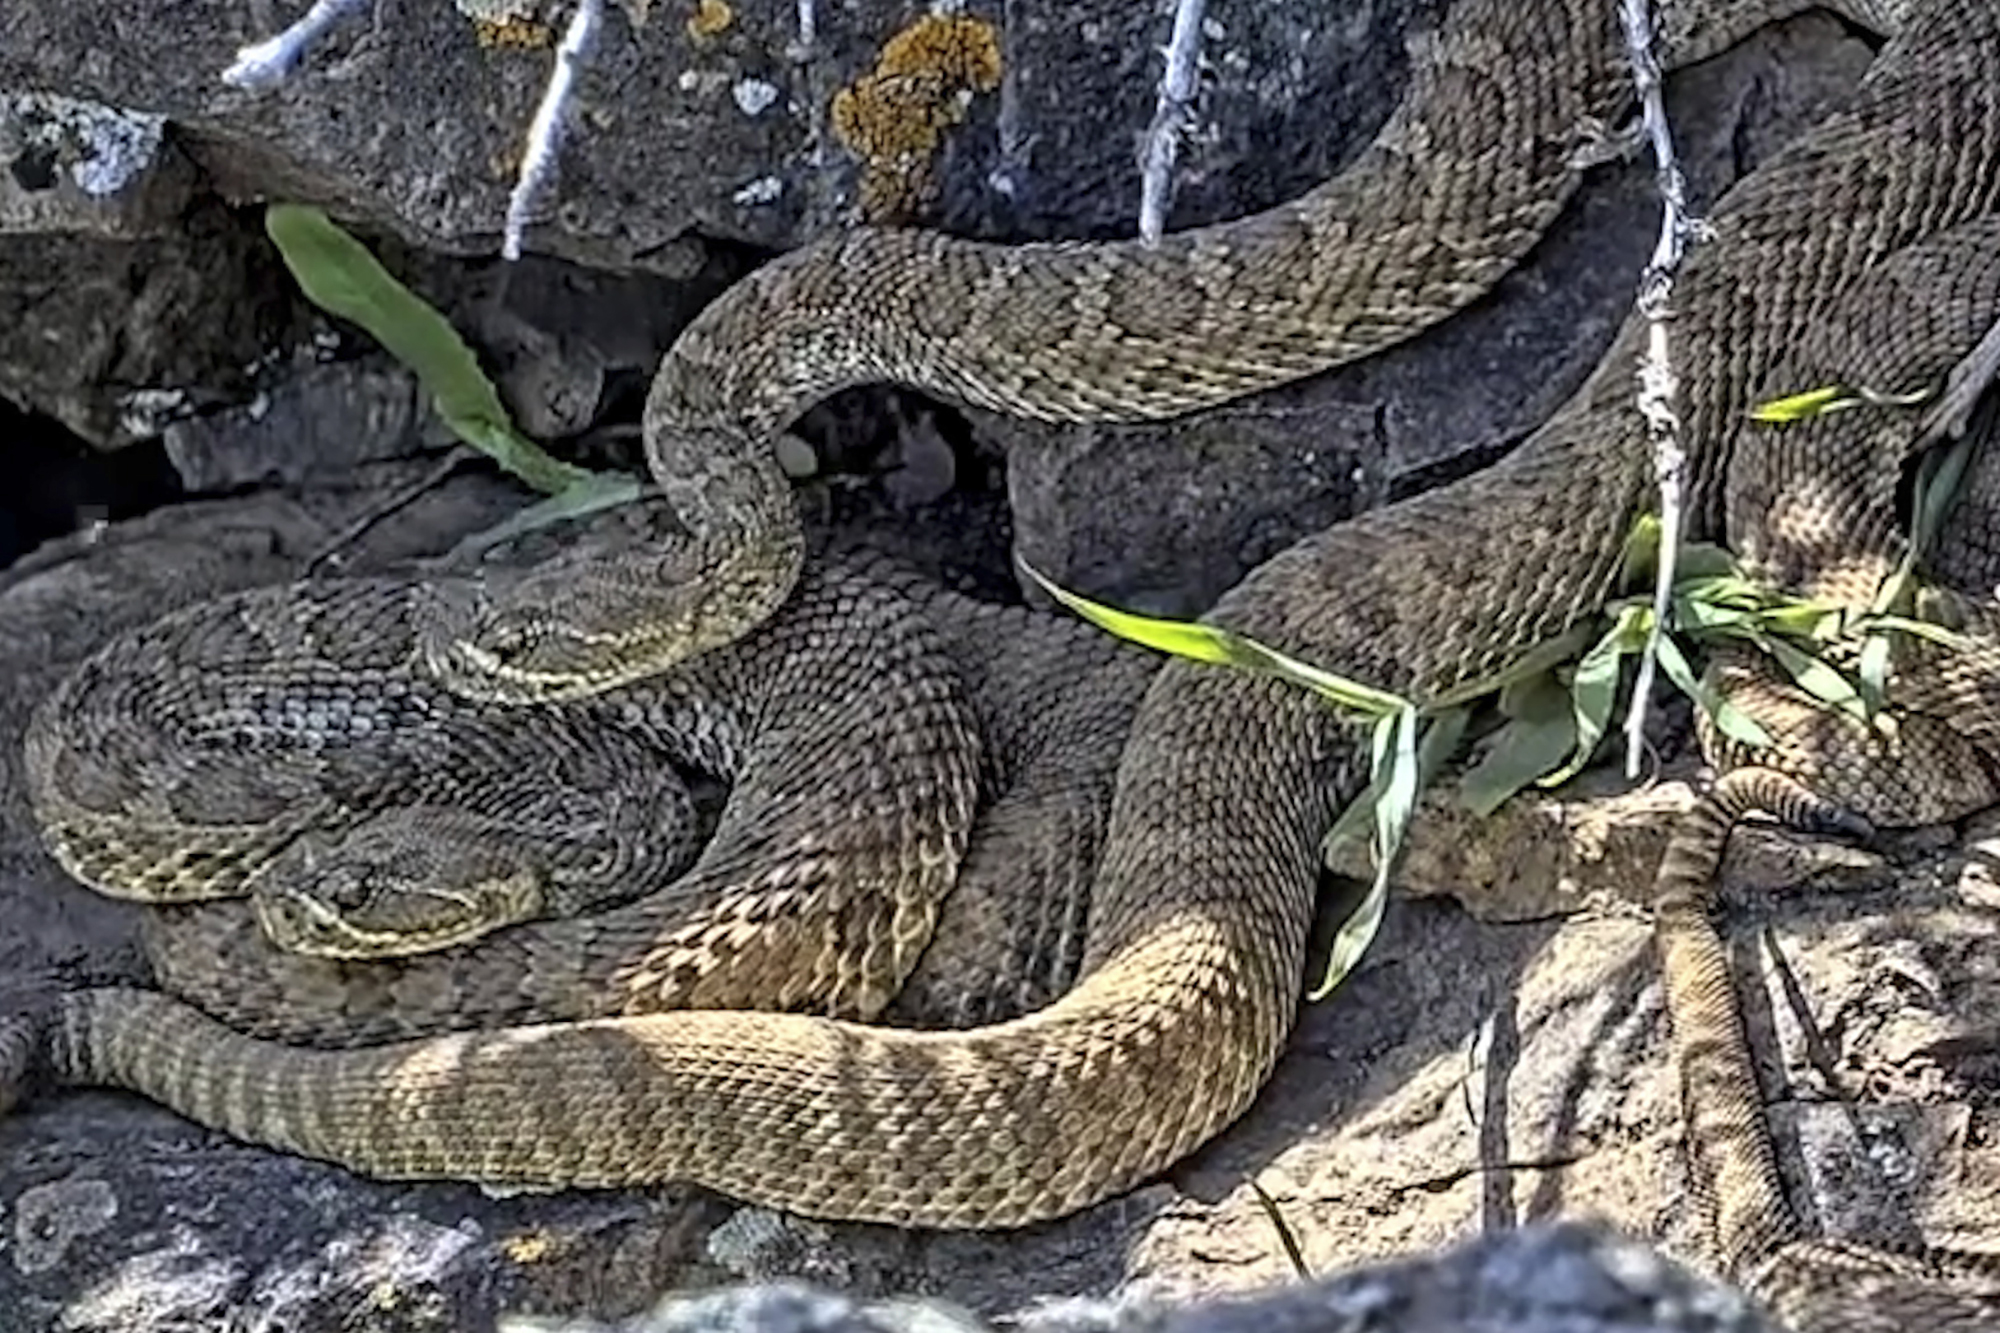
x=507, y=640
x=348, y=892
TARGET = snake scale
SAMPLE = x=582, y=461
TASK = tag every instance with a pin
x=1025, y=711
x=1814, y=1285
x=1198, y=912
x=243, y=780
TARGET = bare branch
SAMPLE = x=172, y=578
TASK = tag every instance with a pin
x=1170, y=119
x=538, y=156
x=1657, y=385
x=266, y=64
x=808, y=38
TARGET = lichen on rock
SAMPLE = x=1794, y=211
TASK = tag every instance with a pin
x=895, y=118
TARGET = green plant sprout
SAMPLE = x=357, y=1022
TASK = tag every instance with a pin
x=339, y=275
x=1556, y=706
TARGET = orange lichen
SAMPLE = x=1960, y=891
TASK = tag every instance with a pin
x=513, y=34
x=895, y=118
x=958, y=47
x=711, y=18
x=528, y=24
x=528, y=1248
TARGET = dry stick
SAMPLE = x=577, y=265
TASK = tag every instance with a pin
x=1170, y=119
x=458, y=456
x=266, y=64
x=1657, y=385
x=808, y=38
x=1286, y=1236
x=538, y=156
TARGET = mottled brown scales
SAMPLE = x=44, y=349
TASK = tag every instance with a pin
x=1192, y=936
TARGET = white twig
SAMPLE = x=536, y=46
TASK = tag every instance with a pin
x=1170, y=120
x=538, y=156
x=1657, y=384
x=808, y=28
x=266, y=64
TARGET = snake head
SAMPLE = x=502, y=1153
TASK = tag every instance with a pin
x=587, y=622
x=405, y=881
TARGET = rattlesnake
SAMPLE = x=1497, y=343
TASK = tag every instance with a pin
x=1198, y=913
x=1812, y=1284
x=1472, y=167
x=323, y=792
x=1047, y=707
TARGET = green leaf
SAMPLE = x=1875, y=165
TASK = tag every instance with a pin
x=1940, y=474
x=1705, y=560
x=1529, y=695
x=1805, y=406
x=1536, y=661
x=1356, y=933
x=1208, y=643
x=1199, y=643
x=338, y=274
x=1395, y=779
x=1594, y=688
x=1444, y=733
x=1942, y=635
x=1393, y=783
x=597, y=491
x=1730, y=720
x=1817, y=677
x=1642, y=553
x=1701, y=618
x=1400, y=768
x=1729, y=589
x=1891, y=398
x=1804, y=620
x=1834, y=398
x=1874, y=673
x=1439, y=736
x=1539, y=734
x=1440, y=739
x=1356, y=820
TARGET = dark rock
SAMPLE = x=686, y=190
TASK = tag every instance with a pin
x=714, y=122
x=1564, y=1279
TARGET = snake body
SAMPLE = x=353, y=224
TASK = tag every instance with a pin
x=1197, y=916
x=1475, y=163
x=1814, y=1285
x=1025, y=709
x=333, y=793
x=852, y=887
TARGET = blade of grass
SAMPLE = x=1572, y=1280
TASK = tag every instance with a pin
x=1539, y=734
x=1394, y=784
x=597, y=491
x=1804, y=406
x=338, y=274
x=1873, y=673
x=1732, y=721
x=1817, y=677
x=1212, y=644
x=1594, y=687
